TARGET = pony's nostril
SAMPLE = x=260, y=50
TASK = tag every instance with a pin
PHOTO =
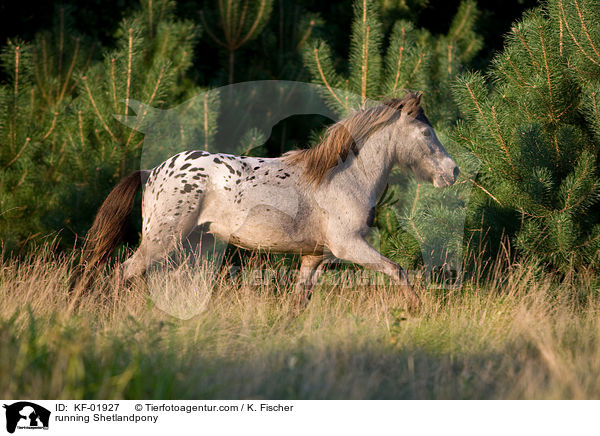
x=456, y=172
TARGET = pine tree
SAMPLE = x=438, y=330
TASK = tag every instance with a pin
x=394, y=10
x=415, y=59
x=536, y=134
x=276, y=54
x=240, y=21
x=270, y=52
x=62, y=147
x=41, y=82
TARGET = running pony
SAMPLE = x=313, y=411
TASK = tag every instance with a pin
x=316, y=202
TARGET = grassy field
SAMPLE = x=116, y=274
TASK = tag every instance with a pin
x=519, y=334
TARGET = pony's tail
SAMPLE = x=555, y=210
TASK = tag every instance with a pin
x=108, y=229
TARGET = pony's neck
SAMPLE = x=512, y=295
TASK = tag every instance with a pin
x=370, y=169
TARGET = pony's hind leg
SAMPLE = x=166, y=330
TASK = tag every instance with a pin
x=162, y=233
x=151, y=250
x=170, y=209
x=135, y=266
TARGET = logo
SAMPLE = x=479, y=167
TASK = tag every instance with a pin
x=26, y=415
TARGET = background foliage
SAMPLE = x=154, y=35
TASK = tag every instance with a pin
x=522, y=99
x=535, y=131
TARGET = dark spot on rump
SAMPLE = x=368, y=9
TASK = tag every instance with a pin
x=217, y=160
x=229, y=167
x=267, y=173
x=227, y=188
x=187, y=165
x=187, y=188
x=196, y=155
x=255, y=168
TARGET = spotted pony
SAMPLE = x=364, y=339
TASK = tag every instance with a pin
x=317, y=203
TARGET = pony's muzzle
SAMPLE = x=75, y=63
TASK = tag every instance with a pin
x=455, y=174
x=447, y=178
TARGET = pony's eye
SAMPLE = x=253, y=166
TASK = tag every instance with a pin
x=426, y=132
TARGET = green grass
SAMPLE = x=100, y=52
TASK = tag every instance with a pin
x=522, y=334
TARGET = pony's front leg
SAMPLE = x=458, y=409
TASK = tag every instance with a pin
x=357, y=250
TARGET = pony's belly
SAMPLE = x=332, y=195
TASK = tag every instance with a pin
x=268, y=234
x=292, y=247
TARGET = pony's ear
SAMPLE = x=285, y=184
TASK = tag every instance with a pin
x=418, y=98
x=412, y=107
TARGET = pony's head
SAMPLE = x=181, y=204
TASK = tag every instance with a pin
x=414, y=144
x=418, y=147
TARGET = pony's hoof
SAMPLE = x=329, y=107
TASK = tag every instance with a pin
x=413, y=301
x=300, y=302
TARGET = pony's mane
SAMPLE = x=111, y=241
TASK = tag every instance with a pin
x=342, y=137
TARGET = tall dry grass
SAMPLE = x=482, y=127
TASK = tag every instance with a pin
x=515, y=333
